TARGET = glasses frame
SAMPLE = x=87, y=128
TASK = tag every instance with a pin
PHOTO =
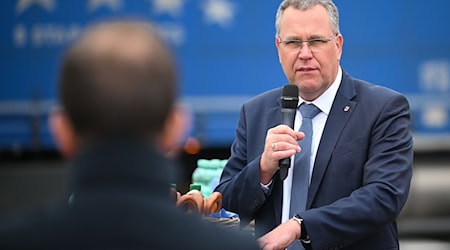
x=298, y=44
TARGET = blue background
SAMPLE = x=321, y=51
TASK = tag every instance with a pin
x=403, y=44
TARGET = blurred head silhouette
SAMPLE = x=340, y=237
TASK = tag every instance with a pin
x=118, y=80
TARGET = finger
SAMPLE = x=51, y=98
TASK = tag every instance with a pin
x=277, y=142
x=282, y=129
x=281, y=146
x=299, y=135
x=276, y=156
x=262, y=243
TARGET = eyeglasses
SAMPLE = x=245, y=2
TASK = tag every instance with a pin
x=314, y=44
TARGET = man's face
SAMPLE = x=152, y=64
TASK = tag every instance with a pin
x=313, y=67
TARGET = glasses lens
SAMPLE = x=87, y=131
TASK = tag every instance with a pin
x=315, y=44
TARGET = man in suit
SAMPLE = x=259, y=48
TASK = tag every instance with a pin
x=361, y=152
x=118, y=117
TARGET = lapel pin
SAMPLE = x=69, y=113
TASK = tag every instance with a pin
x=346, y=109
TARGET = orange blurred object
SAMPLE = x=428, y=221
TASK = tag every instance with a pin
x=192, y=146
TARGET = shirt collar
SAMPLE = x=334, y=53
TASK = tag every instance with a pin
x=325, y=101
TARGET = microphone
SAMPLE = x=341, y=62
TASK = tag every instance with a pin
x=289, y=103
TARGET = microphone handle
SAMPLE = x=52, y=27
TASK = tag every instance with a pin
x=287, y=118
x=284, y=167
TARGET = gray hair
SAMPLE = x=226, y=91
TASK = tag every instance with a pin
x=331, y=8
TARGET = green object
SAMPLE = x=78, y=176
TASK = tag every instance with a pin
x=195, y=187
x=207, y=174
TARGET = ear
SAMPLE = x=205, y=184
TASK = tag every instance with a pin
x=175, y=131
x=63, y=133
x=339, y=44
x=277, y=44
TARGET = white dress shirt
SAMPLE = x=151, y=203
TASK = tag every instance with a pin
x=324, y=103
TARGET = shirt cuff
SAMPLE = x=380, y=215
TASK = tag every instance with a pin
x=267, y=188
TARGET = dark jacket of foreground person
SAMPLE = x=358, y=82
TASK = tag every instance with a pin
x=120, y=201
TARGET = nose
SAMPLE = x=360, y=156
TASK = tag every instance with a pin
x=305, y=52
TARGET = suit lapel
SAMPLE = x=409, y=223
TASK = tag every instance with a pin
x=275, y=120
x=274, y=117
x=340, y=112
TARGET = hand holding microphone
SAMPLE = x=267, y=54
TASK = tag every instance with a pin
x=281, y=141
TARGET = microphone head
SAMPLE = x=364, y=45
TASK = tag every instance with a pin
x=289, y=98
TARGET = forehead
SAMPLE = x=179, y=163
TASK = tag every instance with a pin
x=313, y=21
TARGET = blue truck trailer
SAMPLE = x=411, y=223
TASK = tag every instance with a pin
x=226, y=54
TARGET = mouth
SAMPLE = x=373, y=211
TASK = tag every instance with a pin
x=305, y=69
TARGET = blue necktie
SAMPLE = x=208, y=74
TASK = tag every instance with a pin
x=300, y=177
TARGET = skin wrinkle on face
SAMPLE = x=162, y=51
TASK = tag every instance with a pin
x=313, y=73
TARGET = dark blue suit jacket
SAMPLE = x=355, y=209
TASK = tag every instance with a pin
x=361, y=175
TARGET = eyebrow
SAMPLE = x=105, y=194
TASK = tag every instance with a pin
x=315, y=36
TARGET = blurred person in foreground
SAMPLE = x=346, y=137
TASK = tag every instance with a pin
x=360, y=161
x=119, y=116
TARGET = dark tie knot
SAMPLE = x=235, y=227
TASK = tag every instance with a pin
x=309, y=110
